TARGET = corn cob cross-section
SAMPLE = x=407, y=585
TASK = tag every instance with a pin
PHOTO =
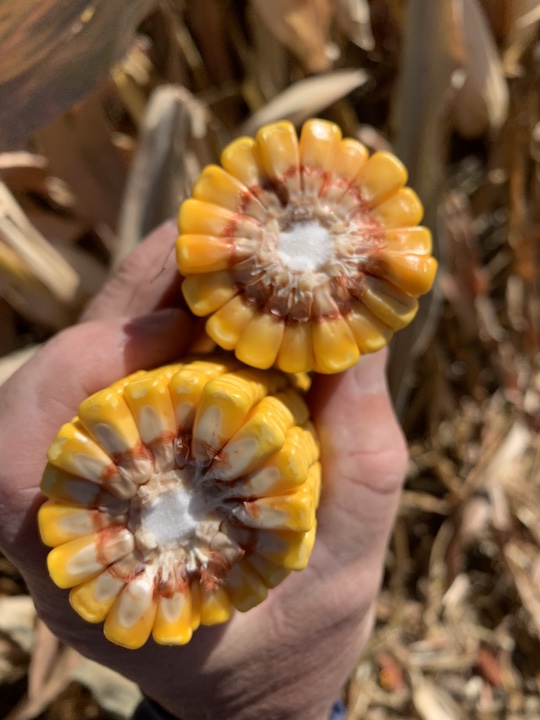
x=304, y=252
x=179, y=494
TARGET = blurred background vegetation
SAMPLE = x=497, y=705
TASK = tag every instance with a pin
x=108, y=111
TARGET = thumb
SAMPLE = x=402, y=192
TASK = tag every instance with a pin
x=364, y=459
x=94, y=354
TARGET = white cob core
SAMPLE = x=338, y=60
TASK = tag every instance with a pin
x=170, y=517
x=305, y=246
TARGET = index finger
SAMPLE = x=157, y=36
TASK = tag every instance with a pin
x=147, y=280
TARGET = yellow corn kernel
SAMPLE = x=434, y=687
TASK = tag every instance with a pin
x=60, y=523
x=296, y=351
x=77, y=560
x=242, y=161
x=227, y=324
x=74, y=451
x=151, y=406
x=150, y=403
x=206, y=293
x=271, y=574
x=131, y=618
x=285, y=471
x=381, y=176
x=223, y=407
x=319, y=144
x=202, y=254
x=414, y=274
x=350, y=158
x=216, y=607
x=221, y=188
x=261, y=436
x=172, y=625
x=414, y=240
x=260, y=341
x=106, y=416
x=370, y=333
x=334, y=346
x=290, y=549
x=94, y=598
x=388, y=304
x=202, y=218
x=295, y=511
x=403, y=209
x=279, y=154
x=245, y=586
x=73, y=490
x=186, y=387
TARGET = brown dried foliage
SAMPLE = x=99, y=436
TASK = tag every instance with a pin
x=458, y=631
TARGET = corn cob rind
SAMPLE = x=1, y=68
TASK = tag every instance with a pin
x=304, y=252
x=179, y=494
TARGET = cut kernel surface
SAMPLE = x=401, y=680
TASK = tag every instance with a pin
x=178, y=495
x=289, y=237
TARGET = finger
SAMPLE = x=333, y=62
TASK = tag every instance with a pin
x=364, y=458
x=148, y=279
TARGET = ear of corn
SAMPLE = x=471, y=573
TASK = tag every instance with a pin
x=180, y=494
x=304, y=253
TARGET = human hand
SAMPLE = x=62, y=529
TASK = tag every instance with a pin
x=289, y=656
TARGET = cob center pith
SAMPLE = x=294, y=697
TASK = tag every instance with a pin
x=294, y=269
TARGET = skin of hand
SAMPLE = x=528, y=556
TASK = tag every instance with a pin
x=288, y=657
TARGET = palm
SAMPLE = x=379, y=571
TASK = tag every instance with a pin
x=317, y=621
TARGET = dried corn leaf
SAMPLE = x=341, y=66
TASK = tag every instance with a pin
x=306, y=98
x=482, y=101
x=45, y=46
x=434, y=703
x=521, y=559
x=524, y=19
x=81, y=151
x=208, y=23
x=37, y=307
x=508, y=17
x=113, y=692
x=13, y=267
x=165, y=165
x=265, y=59
x=132, y=77
x=303, y=26
x=51, y=670
x=354, y=20
x=42, y=261
x=17, y=620
x=12, y=362
x=419, y=109
x=23, y=171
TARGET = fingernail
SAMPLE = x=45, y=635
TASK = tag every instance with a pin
x=370, y=373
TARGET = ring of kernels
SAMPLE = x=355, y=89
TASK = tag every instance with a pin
x=179, y=494
x=304, y=253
